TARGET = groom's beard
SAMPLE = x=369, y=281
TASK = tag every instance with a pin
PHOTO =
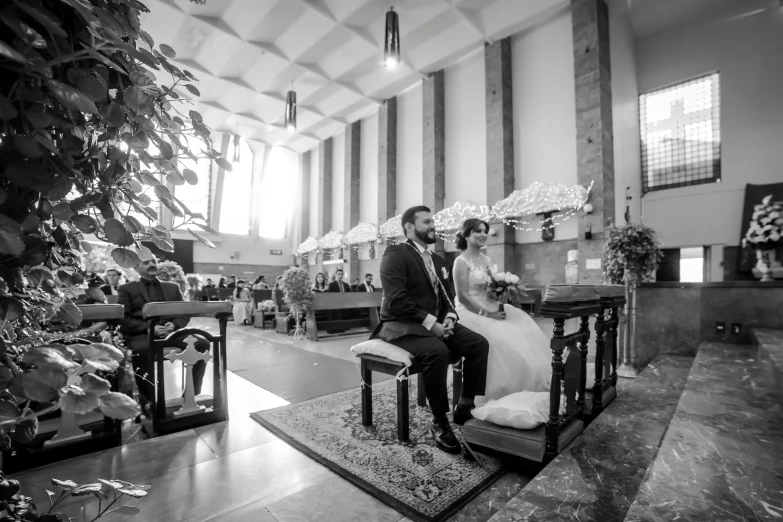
x=424, y=236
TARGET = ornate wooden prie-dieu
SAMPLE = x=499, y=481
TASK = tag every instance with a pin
x=186, y=412
x=604, y=388
x=62, y=435
x=374, y=363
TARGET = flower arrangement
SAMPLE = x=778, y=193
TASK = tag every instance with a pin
x=309, y=245
x=391, y=228
x=298, y=296
x=766, y=227
x=631, y=254
x=541, y=197
x=361, y=233
x=331, y=241
x=503, y=285
x=267, y=306
x=172, y=272
x=452, y=217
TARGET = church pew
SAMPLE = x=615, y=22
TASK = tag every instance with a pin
x=192, y=413
x=64, y=435
x=568, y=383
x=343, y=301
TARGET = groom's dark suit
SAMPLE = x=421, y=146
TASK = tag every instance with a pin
x=410, y=303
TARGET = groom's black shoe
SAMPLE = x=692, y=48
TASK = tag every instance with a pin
x=444, y=437
x=462, y=414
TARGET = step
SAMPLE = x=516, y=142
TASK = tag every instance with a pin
x=597, y=477
x=722, y=457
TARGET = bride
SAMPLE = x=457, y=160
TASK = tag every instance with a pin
x=519, y=355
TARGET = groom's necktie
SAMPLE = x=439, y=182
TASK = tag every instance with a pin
x=430, y=264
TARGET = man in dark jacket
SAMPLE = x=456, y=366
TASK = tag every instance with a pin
x=133, y=296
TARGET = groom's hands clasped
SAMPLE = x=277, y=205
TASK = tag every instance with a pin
x=444, y=331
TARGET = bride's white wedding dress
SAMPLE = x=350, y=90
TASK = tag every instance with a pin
x=519, y=354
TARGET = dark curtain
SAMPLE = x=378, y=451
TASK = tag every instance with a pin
x=669, y=268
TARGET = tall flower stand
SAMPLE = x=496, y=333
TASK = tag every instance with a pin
x=298, y=332
x=628, y=367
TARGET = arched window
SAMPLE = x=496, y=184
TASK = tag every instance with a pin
x=235, y=208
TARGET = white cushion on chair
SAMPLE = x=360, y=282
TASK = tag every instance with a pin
x=523, y=410
x=382, y=349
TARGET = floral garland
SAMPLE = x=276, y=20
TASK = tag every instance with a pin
x=766, y=227
x=452, y=217
x=361, y=233
x=541, y=197
x=331, y=241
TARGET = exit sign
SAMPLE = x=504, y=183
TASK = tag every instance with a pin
x=276, y=252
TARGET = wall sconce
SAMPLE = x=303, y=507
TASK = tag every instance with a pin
x=372, y=250
x=588, y=209
x=548, y=228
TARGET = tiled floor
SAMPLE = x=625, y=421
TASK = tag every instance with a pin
x=237, y=470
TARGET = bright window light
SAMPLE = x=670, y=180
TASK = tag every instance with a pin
x=195, y=197
x=278, y=189
x=237, y=194
x=692, y=265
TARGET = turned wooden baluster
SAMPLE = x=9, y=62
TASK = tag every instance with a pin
x=584, y=331
x=615, y=320
x=600, y=343
x=553, y=425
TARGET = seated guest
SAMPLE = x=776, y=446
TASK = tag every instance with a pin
x=260, y=283
x=209, y=284
x=243, y=303
x=320, y=283
x=355, y=285
x=133, y=296
x=222, y=282
x=339, y=285
x=113, y=278
x=367, y=285
x=232, y=282
x=279, y=283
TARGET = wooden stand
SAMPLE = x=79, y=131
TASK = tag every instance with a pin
x=343, y=301
x=191, y=414
x=604, y=388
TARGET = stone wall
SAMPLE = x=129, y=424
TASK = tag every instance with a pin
x=541, y=264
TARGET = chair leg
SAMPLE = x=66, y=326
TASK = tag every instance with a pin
x=456, y=370
x=366, y=394
x=403, y=413
x=422, y=392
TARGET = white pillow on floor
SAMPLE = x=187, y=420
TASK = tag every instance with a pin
x=522, y=410
x=382, y=349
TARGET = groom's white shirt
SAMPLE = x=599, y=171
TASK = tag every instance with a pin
x=430, y=320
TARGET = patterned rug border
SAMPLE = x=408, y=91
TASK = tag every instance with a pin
x=400, y=506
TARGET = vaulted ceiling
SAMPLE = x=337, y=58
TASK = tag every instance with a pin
x=248, y=53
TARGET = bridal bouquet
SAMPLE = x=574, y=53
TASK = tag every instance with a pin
x=503, y=285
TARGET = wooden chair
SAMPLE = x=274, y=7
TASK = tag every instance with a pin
x=183, y=413
x=543, y=443
x=343, y=301
x=63, y=435
x=374, y=363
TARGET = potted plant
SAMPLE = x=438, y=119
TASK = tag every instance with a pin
x=765, y=234
x=631, y=255
x=298, y=296
x=86, y=137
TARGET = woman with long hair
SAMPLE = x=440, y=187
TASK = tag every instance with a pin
x=222, y=282
x=320, y=283
x=260, y=283
x=243, y=303
x=519, y=355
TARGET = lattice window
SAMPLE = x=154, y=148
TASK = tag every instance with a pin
x=680, y=131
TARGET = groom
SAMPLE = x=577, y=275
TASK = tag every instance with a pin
x=417, y=314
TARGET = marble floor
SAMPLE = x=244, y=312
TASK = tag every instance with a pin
x=237, y=470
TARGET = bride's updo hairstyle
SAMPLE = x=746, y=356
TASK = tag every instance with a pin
x=468, y=227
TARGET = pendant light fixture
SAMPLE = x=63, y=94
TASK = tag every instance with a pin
x=290, y=110
x=236, y=146
x=391, y=46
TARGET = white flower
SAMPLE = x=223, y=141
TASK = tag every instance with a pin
x=507, y=277
x=498, y=276
x=514, y=279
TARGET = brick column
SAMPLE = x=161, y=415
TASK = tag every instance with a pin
x=500, y=145
x=353, y=147
x=324, y=187
x=594, y=139
x=304, y=201
x=434, y=149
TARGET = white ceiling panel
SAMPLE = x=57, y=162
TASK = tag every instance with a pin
x=248, y=53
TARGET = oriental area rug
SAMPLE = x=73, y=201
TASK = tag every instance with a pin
x=415, y=478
